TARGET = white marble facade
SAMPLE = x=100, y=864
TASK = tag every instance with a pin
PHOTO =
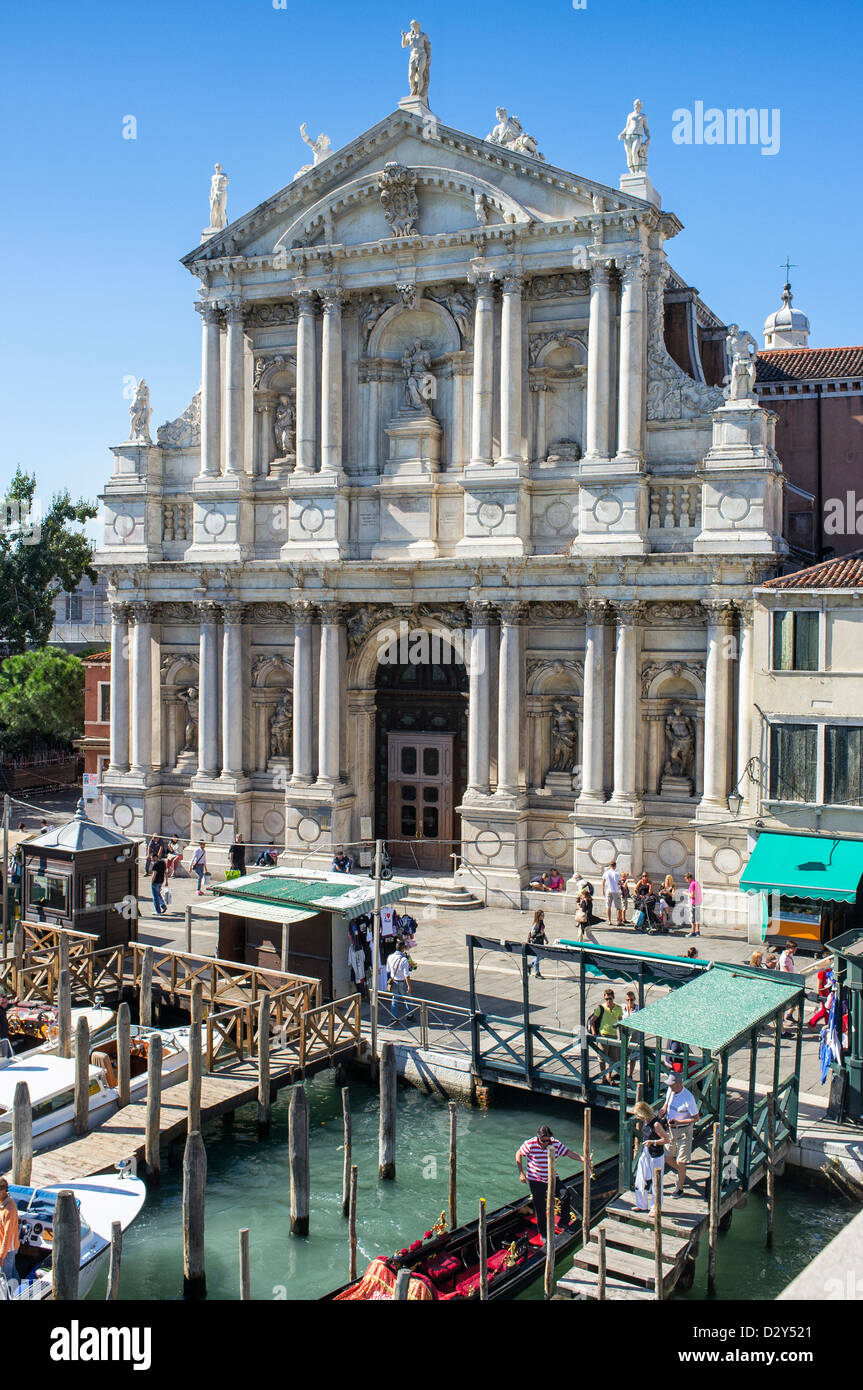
x=435, y=390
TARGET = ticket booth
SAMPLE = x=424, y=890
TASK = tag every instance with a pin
x=82, y=876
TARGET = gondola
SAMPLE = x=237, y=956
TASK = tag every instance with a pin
x=444, y=1265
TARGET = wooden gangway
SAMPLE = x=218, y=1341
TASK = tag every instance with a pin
x=315, y=1040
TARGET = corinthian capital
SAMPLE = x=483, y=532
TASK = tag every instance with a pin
x=630, y=612
x=332, y=613
x=514, y=614
x=306, y=301
x=633, y=268
x=481, y=611
x=233, y=612
x=210, y=313
x=235, y=311
x=120, y=611
x=208, y=611
x=141, y=612
x=513, y=282
x=601, y=272
x=719, y=611
x=598, y=612
x=332, y=299
x=304, y=613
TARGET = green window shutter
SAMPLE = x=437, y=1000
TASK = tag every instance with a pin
x=805, y=642
x=843, y=765
x=783, y=641
x=793, y=762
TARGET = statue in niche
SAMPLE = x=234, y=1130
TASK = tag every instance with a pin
x=480, y=207
x=462, y=312
x=636, y=138
x=281, y=728
x=564, y=738
x=139, y=415
x=218, y=200
x=742, y=348
x=284, y=427
x=680, y=738
x=419, y=63
x=189, y=698
x=372, y=312
x=419, y=383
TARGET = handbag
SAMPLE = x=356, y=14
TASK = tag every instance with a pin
x=167, y=896
x=206, y=878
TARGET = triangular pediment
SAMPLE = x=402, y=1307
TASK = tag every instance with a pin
x=461, y=182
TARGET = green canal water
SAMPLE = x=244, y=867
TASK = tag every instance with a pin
x=248, y=1186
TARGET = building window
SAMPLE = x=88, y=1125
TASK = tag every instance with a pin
x=795, y=641
x=74, y=608
x=91, y=892
x=793, y=762
x=50, y=891
x=104, y=701
x=843, y=765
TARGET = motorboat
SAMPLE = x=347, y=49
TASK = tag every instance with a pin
x=101, y=1200
x=444, y=1265
x=51, y=1081
x=33, y=1026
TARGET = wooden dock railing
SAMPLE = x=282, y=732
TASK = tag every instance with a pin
x=298, y=1032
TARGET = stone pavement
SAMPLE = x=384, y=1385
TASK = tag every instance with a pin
x=441, y=957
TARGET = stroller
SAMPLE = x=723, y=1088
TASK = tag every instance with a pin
x=647, y=918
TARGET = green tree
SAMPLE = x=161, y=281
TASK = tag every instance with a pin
x=39, y=558
x=41, y=698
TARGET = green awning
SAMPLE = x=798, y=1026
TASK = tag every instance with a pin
x=717, y=1008
x=821, y=868
x=349, y=894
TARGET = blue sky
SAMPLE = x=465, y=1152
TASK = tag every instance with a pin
x=94, y=225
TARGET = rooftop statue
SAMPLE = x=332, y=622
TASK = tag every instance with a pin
x=419, y=63
x=510, y=134
x=218, y=200
x=636, y=137
x=139, y=415
x=742, y=348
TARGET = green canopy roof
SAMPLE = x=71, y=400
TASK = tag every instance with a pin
x=820, y=867
x=349, y=894
x=716, y=1008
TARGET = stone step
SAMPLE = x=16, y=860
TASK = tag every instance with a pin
x=449, y=899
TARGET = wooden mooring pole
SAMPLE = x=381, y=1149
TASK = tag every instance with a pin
x=771, y=1168
x=154, y=1107
x=600, y=1268
x=82, y=1076
x=453, y=1161
x=657, y=1233
x=352, y=1225
x=17, y=955
x=588, y=1168
x=264, y=1096
x=64, y=1014
x=713, y=1226
x=114, y=1262
x=188, y=940
x=298, y=1159
x=194, y=1204
x=22, y=1136
x=124, y=1055
x=482, y=1236
x=346, y=1156
x=550, y=1242
x=403, y=1280
x=66, y=1249
x=245, y=1268
x=196, y=1060
x=62, y=954
x=145, y=1004
x=387, y=1126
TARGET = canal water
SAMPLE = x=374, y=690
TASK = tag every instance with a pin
x=248, y=1185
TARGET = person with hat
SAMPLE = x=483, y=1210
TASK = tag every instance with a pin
x=680, y=1111
x=8, y=1232
x=535, y=1152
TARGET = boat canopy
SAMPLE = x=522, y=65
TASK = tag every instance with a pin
x=820, y=868
x=45, y=1074
x=348, y=894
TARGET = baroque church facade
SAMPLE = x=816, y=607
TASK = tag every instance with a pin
x=448, y=549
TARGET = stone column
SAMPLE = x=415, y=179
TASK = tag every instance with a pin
x=598, y=428
x=483, y=373
x=716, y=701
x=142, y=687
x=208, y=690
x=330, y=694
x=304, y=617
x=479, y=700
x=120, y=655
x=331, y=382
x=211, y=392
x=593, y=725
x=234, y=390
x=630, y=427
x=511, y=367
x=626, y=701
x=233, y=689
x=263, y=435
x=512, y=618
x=744, y=695
x=306, y=382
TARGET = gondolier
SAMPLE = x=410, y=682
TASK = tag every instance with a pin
x=535, y=1153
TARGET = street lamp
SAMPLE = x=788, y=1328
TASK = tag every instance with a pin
x=753, y=770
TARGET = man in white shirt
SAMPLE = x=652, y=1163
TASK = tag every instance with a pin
x=611, y=889
x=399, y=971
x=680, y=1110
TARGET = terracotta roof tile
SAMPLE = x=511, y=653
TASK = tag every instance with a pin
x=842, y=572
x=96, y=656
x=809, y=364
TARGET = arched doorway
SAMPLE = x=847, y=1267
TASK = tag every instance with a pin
x=420, y=761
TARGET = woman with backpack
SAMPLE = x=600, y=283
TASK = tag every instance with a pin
x=536, y=937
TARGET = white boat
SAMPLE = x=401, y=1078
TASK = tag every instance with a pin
x=101, y=1200
x=41, y=1023
x=51, y=1081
